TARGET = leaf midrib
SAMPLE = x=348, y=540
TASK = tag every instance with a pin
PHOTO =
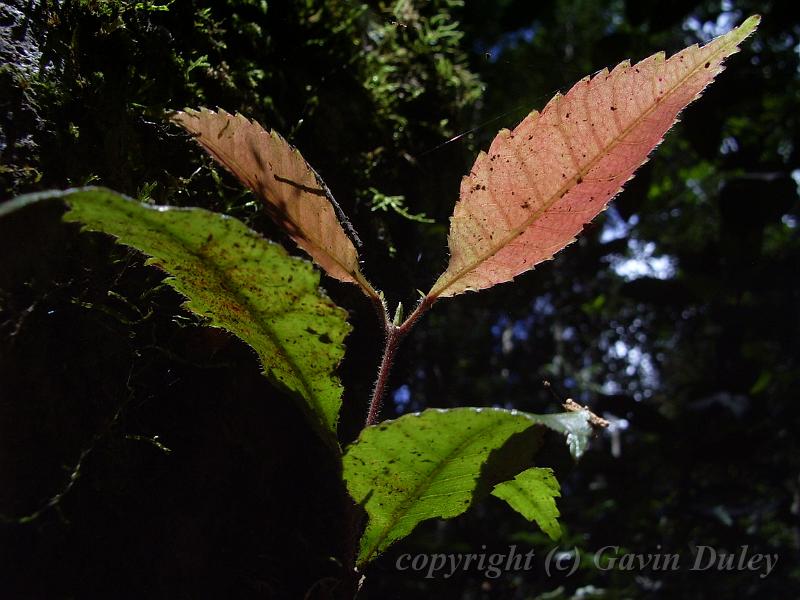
x=410, y=499
x=434, y=293
x=226, y=160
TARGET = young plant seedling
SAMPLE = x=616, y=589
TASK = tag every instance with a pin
x=523, y=201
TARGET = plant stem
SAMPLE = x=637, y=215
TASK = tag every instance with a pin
x=423, y=307
x=392, y=342
x=394, y=335
x=382, y=312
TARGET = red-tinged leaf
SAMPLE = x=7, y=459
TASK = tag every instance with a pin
x=538, y=185
x=293, y=194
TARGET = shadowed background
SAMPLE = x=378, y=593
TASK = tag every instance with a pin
x=144, y=456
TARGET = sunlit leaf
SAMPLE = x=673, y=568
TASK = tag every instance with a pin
x=427, y=465
x=292, y=192
x=533, y=494
x=538, y=185
x=239, y=282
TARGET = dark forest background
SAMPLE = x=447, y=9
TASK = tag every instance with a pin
x=143, y=456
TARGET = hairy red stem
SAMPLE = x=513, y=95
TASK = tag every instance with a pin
x=394, y=335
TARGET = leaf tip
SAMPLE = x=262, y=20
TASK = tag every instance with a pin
x=747, y=27
x=751, y=23
x=736, y=36
x=183, y=117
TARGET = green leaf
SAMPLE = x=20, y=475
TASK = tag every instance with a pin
x=430, y=464
x=239, y=282
x=532, y=494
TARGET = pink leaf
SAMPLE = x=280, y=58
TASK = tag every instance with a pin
x=292, y=192
x=533, y=192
